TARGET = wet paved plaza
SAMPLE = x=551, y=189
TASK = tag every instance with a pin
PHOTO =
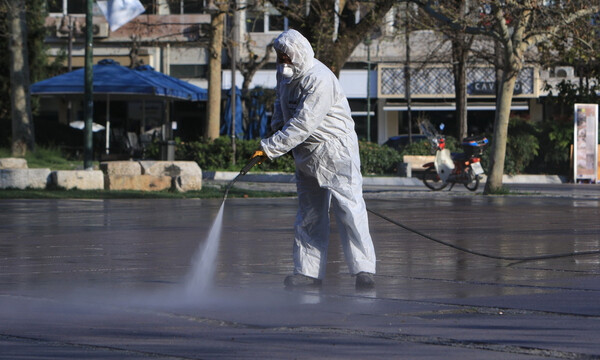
x=105, y=279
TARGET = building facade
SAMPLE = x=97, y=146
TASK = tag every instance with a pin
x=172, y=36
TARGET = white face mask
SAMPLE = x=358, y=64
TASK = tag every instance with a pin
x=286, y=70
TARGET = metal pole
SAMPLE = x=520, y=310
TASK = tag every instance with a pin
x=70, y=48
x=407, y=76
x=66, y=27
x=234, y=29
x=369, y=91
x=107, y=127
x=70, y=67
x=88, y=154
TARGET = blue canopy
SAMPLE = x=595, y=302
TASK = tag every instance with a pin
x=257, y=122
x=257, y=117
x=239, y=122
x=114, y=79
x=198, y=94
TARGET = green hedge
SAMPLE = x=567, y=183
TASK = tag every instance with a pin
x=217, y=155
x=534, y=148
x=555, y=140
x=377, y=159
x=523, y=155
x=424, y=148
x=522, y=145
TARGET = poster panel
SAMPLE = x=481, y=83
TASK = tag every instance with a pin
x=585, y=142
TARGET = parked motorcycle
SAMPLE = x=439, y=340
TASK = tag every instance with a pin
x=453, y=168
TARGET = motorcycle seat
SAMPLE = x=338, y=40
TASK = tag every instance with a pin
x=459, y=156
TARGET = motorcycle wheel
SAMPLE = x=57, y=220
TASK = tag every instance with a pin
x=432, y=180
x=474, y=184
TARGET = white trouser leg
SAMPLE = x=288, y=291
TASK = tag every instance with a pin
x=353, y=224
x=311, y=228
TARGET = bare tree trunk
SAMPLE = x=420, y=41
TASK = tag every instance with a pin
x=498, y=154
x=460, y=86
x=461, y=46
x=23, y=138
x=213, y=111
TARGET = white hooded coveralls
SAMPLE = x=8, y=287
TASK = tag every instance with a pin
x=319, y=130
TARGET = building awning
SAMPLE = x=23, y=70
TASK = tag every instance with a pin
x=110, y=78
x=482, y=106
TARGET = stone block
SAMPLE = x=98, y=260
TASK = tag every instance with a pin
x=121, y=168
x=171, y=168
x=13, y=163
x=137, y=182
x=185, y=183
x=78, y=179
x=416, y=162
x=24, y=178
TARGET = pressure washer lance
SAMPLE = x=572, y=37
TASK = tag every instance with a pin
x=258, y=157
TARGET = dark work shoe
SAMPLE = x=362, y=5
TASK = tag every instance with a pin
x=364, y=280
x=299, y=280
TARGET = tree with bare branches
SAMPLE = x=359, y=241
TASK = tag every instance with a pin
x=334, y=28
x=516, y=27
x=251, y=61
x=576, y=46
x=23, y=137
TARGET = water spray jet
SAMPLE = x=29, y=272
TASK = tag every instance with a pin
x=203, y=262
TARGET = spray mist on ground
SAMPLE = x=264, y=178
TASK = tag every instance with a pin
x=199, y=279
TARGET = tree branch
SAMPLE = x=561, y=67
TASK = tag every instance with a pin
x=453, y=24
x=538, y=37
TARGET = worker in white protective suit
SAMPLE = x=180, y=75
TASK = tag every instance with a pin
x=315, y=123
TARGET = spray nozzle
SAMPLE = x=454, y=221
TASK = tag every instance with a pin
x=257, y=158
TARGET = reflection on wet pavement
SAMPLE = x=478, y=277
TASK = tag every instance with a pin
x=63, y=258
x=147, y=243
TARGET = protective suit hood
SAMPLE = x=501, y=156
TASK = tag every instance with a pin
x=297, y=47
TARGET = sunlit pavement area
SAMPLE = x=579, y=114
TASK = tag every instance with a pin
x=106, y=279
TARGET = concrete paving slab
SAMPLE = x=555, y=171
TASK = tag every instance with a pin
x=106, y=279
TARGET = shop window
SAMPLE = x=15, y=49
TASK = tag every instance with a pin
x=150, y=5
x=186, y=6
x=73, y=6
x=264, y=18
x=190, y=71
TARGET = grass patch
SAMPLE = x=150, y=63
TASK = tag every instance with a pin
x=47, y=157
x=206, y=193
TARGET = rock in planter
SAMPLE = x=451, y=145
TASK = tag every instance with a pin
x=137, y=182
x=24, y=178
x=185, y=183
x=13, y=163
x=171, y=168
x=78, y=179
x=121, y=168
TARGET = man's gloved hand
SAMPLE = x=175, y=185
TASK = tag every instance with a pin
x=261, y=154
